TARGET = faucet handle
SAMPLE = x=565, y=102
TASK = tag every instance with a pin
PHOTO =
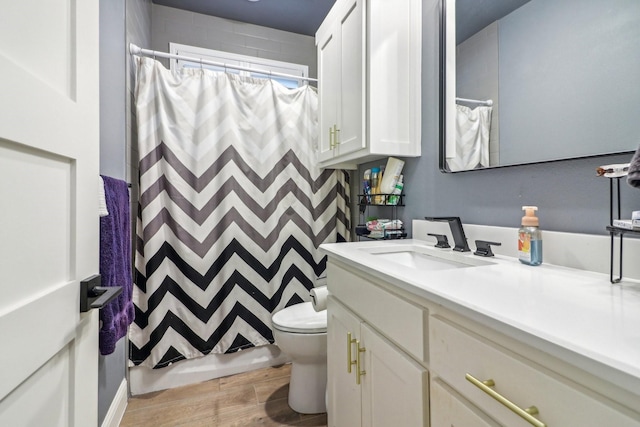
x=483, y=248
x=443, y=242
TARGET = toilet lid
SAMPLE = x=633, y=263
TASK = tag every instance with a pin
x=300, y=318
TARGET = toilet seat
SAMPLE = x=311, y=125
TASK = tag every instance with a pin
x=300, y=319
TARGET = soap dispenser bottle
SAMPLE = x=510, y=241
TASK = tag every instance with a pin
x=529, y=238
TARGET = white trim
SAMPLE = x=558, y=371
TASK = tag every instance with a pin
x=146, y=380
x=118, y=406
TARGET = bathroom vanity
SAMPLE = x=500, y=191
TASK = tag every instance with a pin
x=420, y=336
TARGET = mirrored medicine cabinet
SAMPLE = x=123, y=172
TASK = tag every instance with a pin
x=558, y=79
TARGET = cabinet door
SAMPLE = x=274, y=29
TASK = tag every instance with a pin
x=351, y=27
x=394, y=386
x=394, y=43
x=328, y=45
x=344, y=397
x=448, y=409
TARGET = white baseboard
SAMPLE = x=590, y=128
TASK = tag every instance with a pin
x=146, y=380
x=118, y=406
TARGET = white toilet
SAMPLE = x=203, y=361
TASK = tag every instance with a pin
x=301, y=334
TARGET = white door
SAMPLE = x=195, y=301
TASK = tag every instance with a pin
x=48, y=211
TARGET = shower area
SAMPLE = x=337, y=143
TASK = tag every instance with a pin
x=231, y=206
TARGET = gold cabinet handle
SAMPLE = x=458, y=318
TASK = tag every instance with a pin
x=527, y=414
x=336, y=136
x=332, y=136
x=359, y=372
x=350, y=342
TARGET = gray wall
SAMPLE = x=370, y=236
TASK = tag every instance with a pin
x=570, y=196
x=138, y=32
x=120, y=20
x=112, y=89
x=111, y=368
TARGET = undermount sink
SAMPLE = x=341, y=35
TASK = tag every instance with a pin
x=424, y=258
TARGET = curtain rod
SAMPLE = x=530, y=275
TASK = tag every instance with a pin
x=137, y=50
x=488, y=102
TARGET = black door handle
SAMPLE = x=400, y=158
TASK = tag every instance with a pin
x=92, y=295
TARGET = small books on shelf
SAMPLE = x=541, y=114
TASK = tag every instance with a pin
x=627, y=224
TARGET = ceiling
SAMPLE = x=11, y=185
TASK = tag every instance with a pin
x=296, y=16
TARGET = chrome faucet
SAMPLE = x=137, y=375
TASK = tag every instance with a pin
x=457, y=231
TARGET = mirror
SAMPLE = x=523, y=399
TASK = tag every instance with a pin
x=562, y=78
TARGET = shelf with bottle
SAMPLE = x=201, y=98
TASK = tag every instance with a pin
x=379, y=227
x=380, y=199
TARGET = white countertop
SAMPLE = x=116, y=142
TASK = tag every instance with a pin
x=575, y=315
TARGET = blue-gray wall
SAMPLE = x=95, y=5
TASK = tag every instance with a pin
x=112, y=368
x=112, y=89
x=121, y=21
x=570, y=196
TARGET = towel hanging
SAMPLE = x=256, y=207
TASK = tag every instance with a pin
x=633, y=179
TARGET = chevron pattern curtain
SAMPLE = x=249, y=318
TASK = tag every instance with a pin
x=232, y=210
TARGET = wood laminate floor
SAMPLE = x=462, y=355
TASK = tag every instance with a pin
x=257, y=398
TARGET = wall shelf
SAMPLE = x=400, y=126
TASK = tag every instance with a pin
x=380, y=201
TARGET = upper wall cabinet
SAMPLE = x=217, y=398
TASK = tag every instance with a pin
x=369, y=56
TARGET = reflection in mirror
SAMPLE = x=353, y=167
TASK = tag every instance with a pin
x=529, y=81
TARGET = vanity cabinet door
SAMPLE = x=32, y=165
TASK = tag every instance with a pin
x=394, y=386
x=371, y=382
x=344, y=405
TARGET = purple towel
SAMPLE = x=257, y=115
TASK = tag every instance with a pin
x=115, y=264
x=634, y=170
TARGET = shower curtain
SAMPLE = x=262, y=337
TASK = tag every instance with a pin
x=232, y=210
x=472, y=138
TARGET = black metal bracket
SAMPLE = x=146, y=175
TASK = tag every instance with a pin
x=443, y=242
x=483, y=248
x=614, y=231
x=92, y=295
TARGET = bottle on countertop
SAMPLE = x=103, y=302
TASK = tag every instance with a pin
x=529, y=238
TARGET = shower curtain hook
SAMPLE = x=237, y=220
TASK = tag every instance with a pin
x=200, y=64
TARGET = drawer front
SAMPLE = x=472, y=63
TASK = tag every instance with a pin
x=450, y=409
x=456, y=352
x=399, y=320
